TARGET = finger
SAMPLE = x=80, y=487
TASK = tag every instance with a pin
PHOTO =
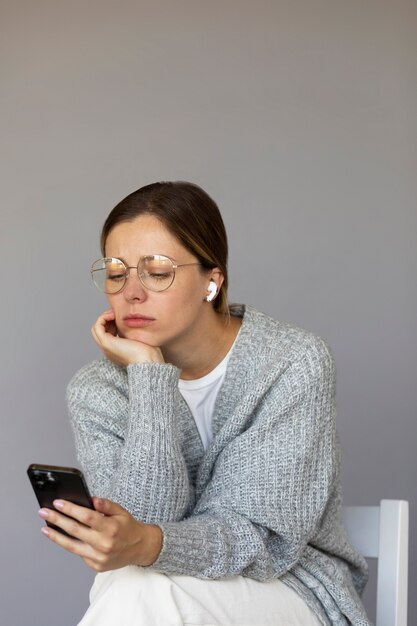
x=69, y=524
x=95, y=336
x=105, y=318
x=106, y=343
x=75, y=546
x=104, y=325
x=87, y=517
x=75, y=529
x=99, y=333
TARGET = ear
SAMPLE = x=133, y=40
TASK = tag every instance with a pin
x=215, y=280
x=217, y=277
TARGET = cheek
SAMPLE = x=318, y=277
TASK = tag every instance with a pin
x=185, y=302
x=191, y=290
x=116, y=308
x=111, y=301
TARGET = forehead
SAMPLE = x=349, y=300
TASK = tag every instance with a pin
x=144, y=235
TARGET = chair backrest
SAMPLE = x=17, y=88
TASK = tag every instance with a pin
x=382, y=532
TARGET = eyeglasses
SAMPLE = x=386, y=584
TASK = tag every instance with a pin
x=155, y=271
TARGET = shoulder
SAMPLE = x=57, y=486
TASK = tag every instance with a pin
x=95, y=379
x=269, y=335
x=273, y=343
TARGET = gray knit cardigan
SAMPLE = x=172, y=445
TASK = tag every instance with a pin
x=264, y=499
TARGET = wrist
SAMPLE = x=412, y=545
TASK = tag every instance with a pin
x=146, y=355
x=151, y=545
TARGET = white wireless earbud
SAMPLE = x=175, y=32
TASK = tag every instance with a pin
x=212, y=289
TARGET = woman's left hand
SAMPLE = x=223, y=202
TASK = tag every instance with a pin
x=106, y=538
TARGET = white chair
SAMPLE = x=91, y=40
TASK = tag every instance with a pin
x=382, y=532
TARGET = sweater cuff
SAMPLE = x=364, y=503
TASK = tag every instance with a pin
x=185, y=548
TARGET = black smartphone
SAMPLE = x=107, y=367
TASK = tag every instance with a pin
x=52, y=482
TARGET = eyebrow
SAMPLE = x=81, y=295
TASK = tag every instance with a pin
x=142, y=255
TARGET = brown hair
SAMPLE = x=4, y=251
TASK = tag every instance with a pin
x=189, y=214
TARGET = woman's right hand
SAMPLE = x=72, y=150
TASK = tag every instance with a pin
x=107, y=538
x=118, y=349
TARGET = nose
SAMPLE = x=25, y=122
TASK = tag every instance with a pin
x=133, y=289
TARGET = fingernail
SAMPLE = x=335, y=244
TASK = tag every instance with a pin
x=58, y=504
x=45, y=531
x=43, y=513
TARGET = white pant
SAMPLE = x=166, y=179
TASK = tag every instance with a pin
x=133, y=596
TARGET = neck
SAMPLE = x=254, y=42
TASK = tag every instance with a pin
x=205, y=348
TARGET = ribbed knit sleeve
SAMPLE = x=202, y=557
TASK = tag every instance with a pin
x=127, y=438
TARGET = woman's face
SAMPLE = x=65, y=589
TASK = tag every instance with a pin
x=161, y=318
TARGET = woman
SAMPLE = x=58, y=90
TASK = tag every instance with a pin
x=207, y=434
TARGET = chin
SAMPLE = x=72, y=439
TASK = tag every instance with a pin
x=136, y=334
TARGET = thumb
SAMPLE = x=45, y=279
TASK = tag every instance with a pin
x=107, y=507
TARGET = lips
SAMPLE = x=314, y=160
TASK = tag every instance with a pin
x=137, y=321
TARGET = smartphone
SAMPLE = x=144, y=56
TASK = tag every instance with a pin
x=52, y=482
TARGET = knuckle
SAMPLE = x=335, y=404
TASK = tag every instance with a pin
x=113, y=531
x=96, y=566
x=52, y=518
x=106, y=548
x=102, y=559
x=72, y=528
x=72, y=548
x=88, y=518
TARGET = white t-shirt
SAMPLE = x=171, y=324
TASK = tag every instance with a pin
x=200, y=395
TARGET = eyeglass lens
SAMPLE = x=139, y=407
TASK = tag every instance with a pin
x=156, y=273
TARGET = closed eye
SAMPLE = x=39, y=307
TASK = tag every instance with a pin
x=116, y=277
x=158, y=275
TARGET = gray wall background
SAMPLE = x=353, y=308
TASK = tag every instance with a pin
x=298, y=117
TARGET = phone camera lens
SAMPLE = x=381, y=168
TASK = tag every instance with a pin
x=50, y=478
x=44, y=480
